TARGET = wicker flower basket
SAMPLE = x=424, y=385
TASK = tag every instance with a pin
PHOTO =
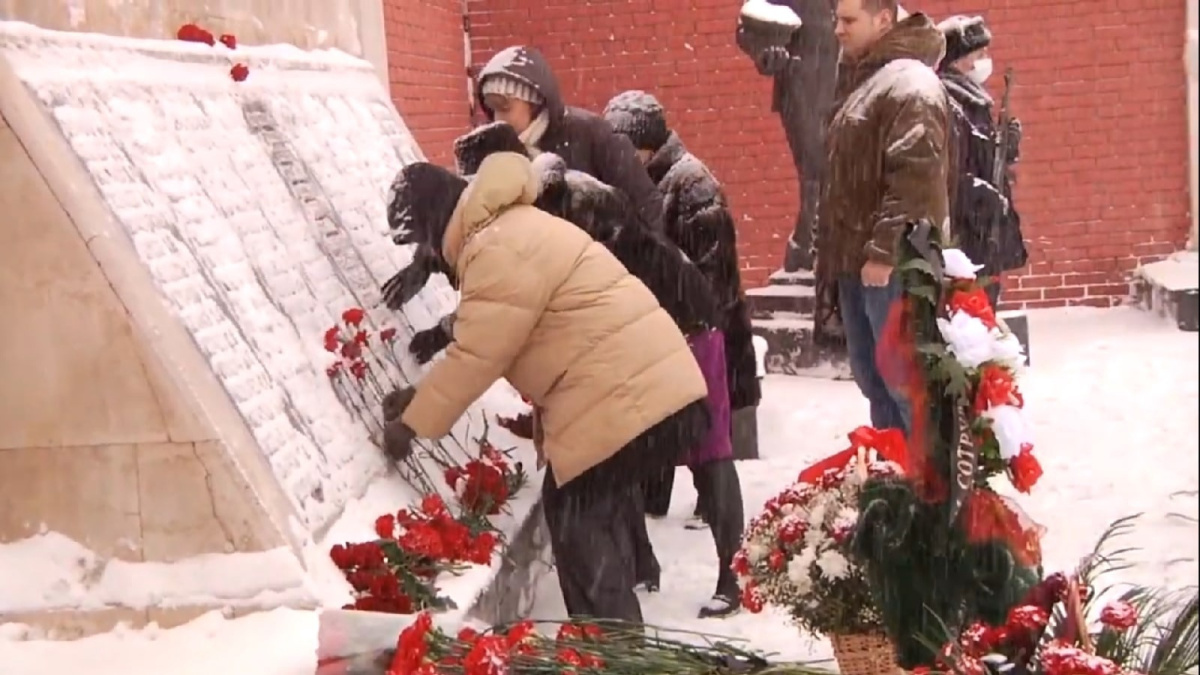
x=865, y=655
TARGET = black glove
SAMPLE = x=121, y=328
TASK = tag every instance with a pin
x=1012, y=150
x=427, y=343
x=405, y=284
x=772, y=61
x=398, y=441
x=395, y=403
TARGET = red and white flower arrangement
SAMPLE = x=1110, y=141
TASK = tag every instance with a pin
x=795, y=553
x=992, y=360
x=1029, y=642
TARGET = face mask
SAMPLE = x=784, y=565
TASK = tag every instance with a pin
x=981, y=71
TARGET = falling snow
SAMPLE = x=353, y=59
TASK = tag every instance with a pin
x=1109, y=392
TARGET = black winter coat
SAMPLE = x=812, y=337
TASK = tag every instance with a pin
x=982, y=218
x=697, y=218
x=584, y=140
x=607, y=215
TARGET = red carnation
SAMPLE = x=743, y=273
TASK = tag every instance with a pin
x=190, y=32
x=239, y=72
x=387, y=334
x=1119, y=615
x=333, y=340
x=385, y=526
x=354, y=316
x=228, y=40
x=351, y=350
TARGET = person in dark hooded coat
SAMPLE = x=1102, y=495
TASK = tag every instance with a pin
x=517, y=86
x=547, y=308
x=605, y=213
x=697, y=218
x=982, y=216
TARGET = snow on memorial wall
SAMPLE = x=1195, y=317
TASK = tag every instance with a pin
x=258, y=209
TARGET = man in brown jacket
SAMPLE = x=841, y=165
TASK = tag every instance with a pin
x=887, y=143
x=617, y=389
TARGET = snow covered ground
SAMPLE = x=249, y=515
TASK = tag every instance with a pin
x=1113, y=395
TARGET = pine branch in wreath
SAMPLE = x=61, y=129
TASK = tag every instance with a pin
x=927, y=579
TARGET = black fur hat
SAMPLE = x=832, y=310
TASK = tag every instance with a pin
x=639, y=116
x=964, y=34
x=420, y=202
x=471, y=148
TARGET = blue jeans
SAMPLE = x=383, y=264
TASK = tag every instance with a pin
x=864, y=314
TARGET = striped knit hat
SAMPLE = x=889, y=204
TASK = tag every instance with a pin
x=510, y=87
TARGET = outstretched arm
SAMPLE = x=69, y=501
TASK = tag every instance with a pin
x=405, y=284
x=501, y=302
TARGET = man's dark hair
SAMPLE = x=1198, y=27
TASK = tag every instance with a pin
x=877, y=6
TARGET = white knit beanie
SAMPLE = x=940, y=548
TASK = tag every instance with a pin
x=510, y=87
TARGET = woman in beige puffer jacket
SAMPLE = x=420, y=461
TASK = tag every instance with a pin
x=552, y=311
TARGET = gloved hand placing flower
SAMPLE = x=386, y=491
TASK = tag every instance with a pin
x=397, y=437
x=427, y=343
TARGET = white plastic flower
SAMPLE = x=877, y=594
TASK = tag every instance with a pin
x=1007, y=351
x=1011, y=428
x=969, y=340
x=958, y=265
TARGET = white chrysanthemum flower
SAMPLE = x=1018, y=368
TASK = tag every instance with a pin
x=816, y=515
x=846, y=517
x=799, y=570
x=833, y=565
x=757, y=552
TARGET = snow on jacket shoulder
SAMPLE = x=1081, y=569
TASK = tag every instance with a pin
x=554, y=313
x=584, y=140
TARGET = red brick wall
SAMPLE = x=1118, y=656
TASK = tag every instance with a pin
x=426, y=71
x=1100, y=90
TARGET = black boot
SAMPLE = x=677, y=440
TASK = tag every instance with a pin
x=725, y=516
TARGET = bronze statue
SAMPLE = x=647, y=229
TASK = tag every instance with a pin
x=802, y=58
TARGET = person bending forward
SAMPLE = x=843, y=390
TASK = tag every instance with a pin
x=544, y=306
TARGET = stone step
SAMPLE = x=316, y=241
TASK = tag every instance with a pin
x=790, y=350
x=799, y=278
x=774, y=298
x=1171, y=289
